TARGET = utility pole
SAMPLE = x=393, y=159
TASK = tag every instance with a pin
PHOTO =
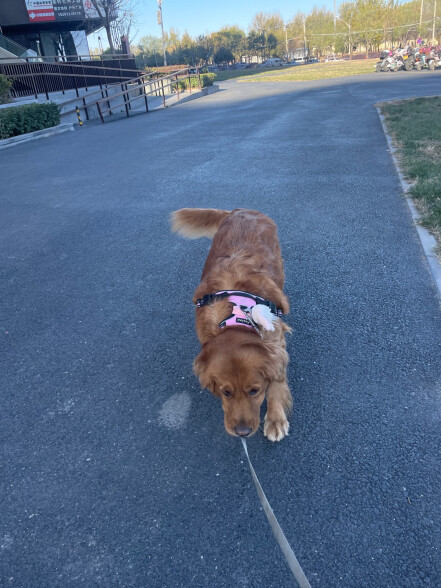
x=421, y=13
x=350, y=36
x=304, y=39
x=350, y=41
x=434, y=20
x=160, y=22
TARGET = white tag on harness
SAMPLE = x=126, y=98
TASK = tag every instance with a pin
x=262, y=316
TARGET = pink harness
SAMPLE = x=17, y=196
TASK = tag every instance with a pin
x=243, y=305
x=239, y=318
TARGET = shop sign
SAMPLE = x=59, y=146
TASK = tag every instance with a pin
x=40, y=10
x=57, y=10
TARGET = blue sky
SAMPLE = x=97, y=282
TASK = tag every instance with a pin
x=198, y=17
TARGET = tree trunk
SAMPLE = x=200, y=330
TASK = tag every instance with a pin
x=109, y=38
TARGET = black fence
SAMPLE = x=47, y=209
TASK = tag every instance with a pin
x=31, y=79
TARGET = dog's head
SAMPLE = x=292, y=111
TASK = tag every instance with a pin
x=238, y=367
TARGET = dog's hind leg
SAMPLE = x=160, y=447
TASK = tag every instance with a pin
x=279, y=402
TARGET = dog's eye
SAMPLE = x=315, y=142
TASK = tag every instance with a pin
x=227, y=393
x=253, y=392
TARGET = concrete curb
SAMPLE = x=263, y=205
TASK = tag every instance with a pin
x=204, y=92
x=12, y=141
x=171, y=100
x=427, y=240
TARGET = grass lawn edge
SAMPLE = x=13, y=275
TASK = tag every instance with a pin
x=430, y=244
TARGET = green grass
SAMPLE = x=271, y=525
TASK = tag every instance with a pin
x=300, y=73
x=415, y=127
x=230, y=74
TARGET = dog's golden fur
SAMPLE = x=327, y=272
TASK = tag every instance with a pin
x=245, y=255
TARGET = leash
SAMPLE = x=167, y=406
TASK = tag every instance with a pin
x=277, y=529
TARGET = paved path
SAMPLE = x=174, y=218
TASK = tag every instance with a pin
x=116, y=470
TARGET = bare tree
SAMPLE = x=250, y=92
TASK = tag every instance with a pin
x=117, y=17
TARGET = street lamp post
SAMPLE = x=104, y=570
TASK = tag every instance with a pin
x=350, y=37
x=160, y=21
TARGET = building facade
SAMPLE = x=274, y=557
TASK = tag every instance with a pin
x=51, y=28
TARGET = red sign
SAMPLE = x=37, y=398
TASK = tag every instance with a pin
x=40, y=10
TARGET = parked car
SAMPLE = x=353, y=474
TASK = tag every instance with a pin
x=332, y=58
x=272, y=62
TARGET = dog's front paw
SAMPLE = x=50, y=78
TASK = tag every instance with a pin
x=275, y=429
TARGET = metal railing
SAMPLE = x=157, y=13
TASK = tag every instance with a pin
x=11, y=46
x=32, y=79
x=83, y=58
x=107, y=100
x=128, y=96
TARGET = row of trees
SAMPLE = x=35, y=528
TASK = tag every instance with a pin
x=365, y=24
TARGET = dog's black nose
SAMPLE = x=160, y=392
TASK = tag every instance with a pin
x=242, y=430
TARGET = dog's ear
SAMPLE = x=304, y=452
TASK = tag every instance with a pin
x=201, y=367
x=272, y=362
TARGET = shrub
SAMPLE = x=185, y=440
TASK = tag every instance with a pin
x=5, y=86
x=165, y=70
x=207, y=79
x=19, y=120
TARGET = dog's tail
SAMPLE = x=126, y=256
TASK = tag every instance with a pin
x=197, y=222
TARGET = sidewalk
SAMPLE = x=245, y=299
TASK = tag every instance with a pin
x=69, y=121
x=116, y=469
x=154, y=102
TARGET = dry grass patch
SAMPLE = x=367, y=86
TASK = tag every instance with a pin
x=315, y=71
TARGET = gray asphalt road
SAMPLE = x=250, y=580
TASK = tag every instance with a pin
x=116, y=470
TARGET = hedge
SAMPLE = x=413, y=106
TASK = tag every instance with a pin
x=207, y=79
x=19, y=120
x=166, y=70
x=5, y=86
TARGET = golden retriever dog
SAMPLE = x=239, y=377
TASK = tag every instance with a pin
x=239, y=303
